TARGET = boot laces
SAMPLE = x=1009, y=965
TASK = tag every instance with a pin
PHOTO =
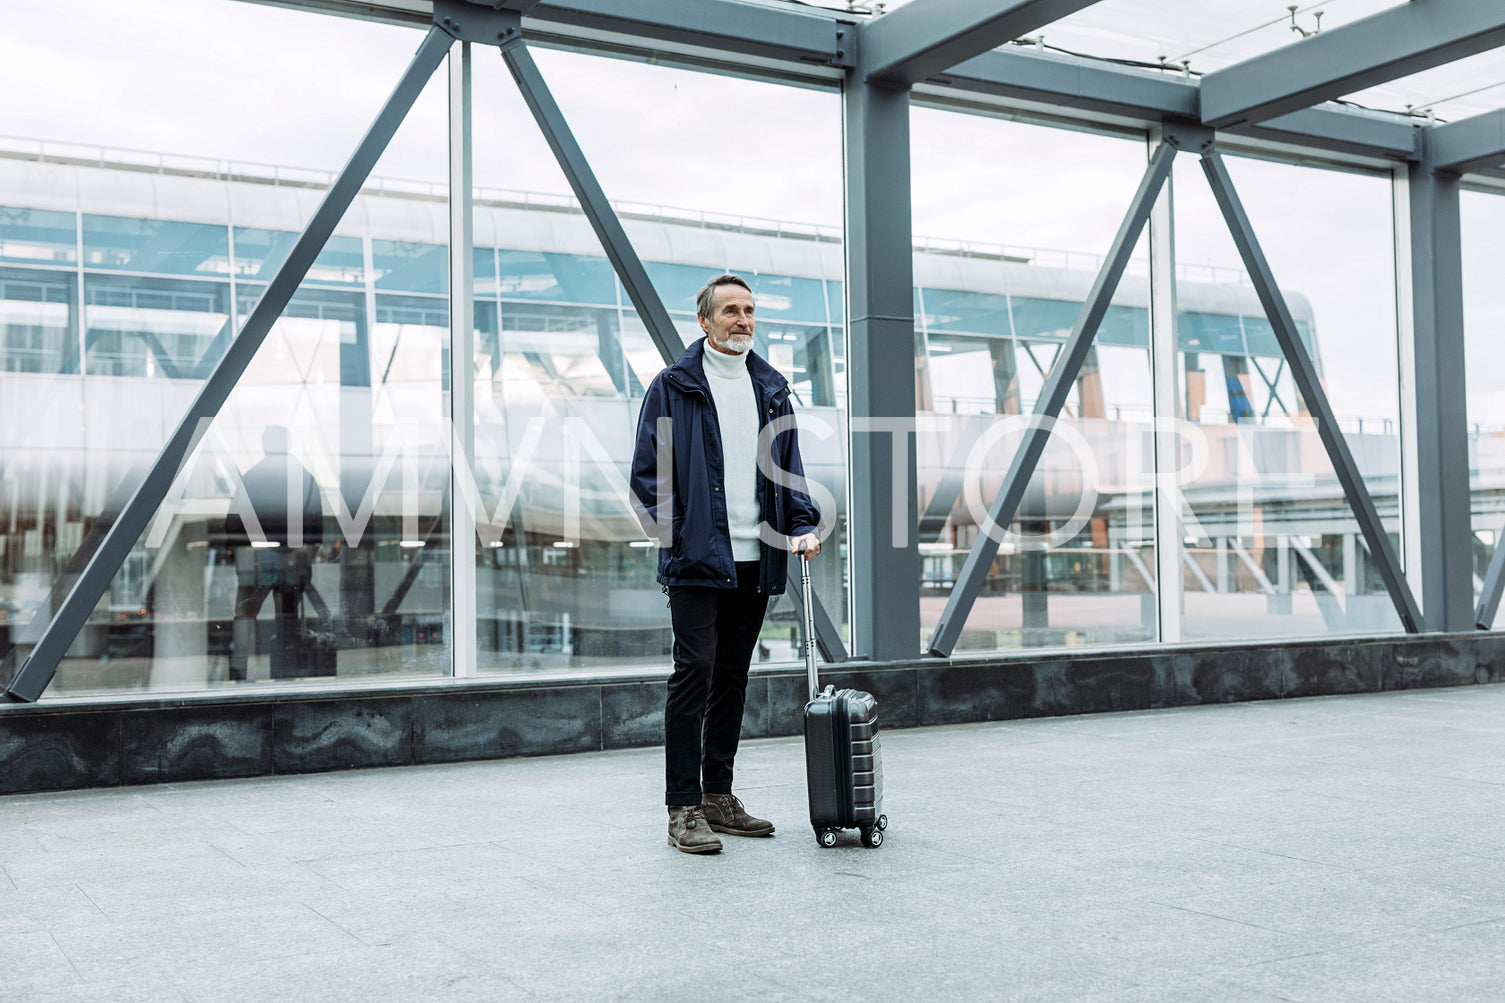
x=692, y=816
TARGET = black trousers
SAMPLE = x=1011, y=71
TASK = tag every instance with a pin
x=715, y=631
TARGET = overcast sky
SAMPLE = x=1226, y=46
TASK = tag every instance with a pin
x=232, y=80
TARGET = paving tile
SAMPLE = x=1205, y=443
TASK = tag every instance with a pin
x=197, y=946
x=1402, y=969
x=1321, y=848
x=421, y=968
x=42, y=909
x=34, y=966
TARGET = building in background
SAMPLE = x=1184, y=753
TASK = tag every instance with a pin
x=123, y=276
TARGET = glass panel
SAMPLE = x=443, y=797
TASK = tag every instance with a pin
x=678, y=285
x=563, y=359
x=410, y=266
x=151, y=327
x=37, y=236
x=259, y=253
x=307, y=536
x=781, y=298
x=1074, y=566
x=571, y=278
x=974, y=313
x=1273, y=547
x=38, y=322
x=159, y=246
x=1484, y=332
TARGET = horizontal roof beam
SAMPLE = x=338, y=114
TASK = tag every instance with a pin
x=1394, y=43
x=1008, y=77
x=1472, y=144
x=730, y=28
x=1096, y=87
x=926, y=37
x=724, y=25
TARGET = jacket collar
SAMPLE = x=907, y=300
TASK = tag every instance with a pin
x=690, y=371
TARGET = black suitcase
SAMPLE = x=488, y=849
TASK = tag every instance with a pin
x=843, y=757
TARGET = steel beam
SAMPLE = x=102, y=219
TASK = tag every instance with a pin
x=1394, y=43
x=882, y=488
x=1438, y=503
x=1076, y=85
x=737, y=37
x=926, y=37
x=735, y=28
x=1472, y=144
x=1308, y=384
x=1052, y=397
x=40, y=666
x=1494, y=586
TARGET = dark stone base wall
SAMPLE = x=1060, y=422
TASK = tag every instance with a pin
x=248, y=732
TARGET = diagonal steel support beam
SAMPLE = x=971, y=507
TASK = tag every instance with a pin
x=1310, y=387
x=624, y=259
x=927, y=37
x=1394, y=43
x=1053, y=396
x=1494, y=587
x=593, y=202
x=40, y=666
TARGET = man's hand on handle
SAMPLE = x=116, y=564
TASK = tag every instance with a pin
x=808, y=545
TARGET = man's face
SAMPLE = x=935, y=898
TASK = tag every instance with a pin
x=729, y=328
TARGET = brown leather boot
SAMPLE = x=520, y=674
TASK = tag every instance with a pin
x=727, y=815
x=690, y=832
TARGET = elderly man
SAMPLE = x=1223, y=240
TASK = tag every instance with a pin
x=725, y=518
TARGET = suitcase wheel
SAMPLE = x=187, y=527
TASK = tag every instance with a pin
x=872, y=838
x=883, y=821
x=826, y=837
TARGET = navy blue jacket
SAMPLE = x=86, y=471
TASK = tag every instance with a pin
x=699, y=551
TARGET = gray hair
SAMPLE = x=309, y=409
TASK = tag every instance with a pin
x=705, y=299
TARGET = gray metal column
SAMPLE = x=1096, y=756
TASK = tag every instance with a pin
x=40, y=666
x=1304, y=374
x=1063, y=373
x=1436, y=404
x=882, y=509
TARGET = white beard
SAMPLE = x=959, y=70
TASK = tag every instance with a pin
x=738, y=343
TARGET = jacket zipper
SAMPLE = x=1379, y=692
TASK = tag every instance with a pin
x=765, y=410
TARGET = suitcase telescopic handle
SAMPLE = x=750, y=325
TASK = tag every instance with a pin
x=810, y=672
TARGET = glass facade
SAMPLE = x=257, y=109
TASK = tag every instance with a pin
x=352, y=378
x=309, y=535
x=1483, y=216
x=1074, y=566
x=1272, y=546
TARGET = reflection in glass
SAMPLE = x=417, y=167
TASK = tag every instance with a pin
x=1076, y=564
x=38, y=332
x=1272, y=545
x=1483, y=218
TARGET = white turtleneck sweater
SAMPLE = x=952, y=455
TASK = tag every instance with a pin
x=737, y=414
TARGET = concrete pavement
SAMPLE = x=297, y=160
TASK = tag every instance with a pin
x=1333, y=848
